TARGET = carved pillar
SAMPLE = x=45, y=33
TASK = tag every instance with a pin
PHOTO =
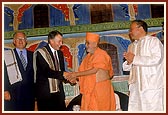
x=74, y=59
x=71, y=15
x=131, y=12
x=15, y=21
x=75, y=66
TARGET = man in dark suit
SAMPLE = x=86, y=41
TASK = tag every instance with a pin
x=7, y=102
x=50, y=68
x=20, y=93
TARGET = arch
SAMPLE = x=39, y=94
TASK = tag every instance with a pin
x=101, y=13
x=112, y=51
x=41, y=17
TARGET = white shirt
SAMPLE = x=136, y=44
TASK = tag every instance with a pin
x=53, y=51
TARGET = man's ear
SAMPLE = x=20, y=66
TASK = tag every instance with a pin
x=51, y=41
x=95, y=44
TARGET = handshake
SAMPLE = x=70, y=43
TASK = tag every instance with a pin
x=71, y=77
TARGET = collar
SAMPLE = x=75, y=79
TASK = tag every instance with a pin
x=52, y=49
x=23, y=51
x=140, y=39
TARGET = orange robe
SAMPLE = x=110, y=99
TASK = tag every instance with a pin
x=97, y=96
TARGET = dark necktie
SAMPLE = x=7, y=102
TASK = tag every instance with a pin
x=23, y=60
x=56, y=61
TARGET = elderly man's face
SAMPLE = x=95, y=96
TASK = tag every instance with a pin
x=91, y=46
x=20, y=41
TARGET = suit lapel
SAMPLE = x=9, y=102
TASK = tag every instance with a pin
x=60, y=56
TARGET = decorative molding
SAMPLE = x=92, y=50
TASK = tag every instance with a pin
x=153, y=22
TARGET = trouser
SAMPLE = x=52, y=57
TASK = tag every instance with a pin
x=54, y=103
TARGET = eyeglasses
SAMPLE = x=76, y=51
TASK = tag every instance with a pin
x=20, y=39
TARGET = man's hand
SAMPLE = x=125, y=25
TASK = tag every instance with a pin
x=129, y=57
x=7, y=96
x=71, y=77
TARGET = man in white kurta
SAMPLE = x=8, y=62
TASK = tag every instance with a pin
x=145, y=61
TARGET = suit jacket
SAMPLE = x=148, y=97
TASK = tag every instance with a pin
x=44, y=72
x=22, y=93
x=7, y=104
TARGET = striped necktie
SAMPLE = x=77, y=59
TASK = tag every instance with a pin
x=23, y=60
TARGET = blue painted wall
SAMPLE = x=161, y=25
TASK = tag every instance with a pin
x=81, y=13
